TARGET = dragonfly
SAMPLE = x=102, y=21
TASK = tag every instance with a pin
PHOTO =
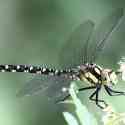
x=78, y=64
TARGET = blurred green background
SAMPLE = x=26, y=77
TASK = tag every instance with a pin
x=33, y=32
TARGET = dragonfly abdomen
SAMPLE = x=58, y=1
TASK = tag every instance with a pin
x=31, y=69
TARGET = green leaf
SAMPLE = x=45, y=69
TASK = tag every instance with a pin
x=83, y=116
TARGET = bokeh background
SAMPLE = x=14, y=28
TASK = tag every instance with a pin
x=33, y=32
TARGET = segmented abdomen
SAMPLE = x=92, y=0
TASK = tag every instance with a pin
x=30, y=69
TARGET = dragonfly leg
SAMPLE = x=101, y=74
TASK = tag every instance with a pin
x=96, y=94
x=87, y=88
x=81, y=89
x=112, y=92
x=62, y=100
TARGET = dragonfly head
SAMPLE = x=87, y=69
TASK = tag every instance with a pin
x=109, y=77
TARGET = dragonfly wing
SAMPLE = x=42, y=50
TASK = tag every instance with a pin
x=104, y=31
x=51, y=86
x=74, y=51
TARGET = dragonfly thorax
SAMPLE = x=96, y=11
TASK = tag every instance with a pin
x=94, y=75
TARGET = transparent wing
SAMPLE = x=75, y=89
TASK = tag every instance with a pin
x=104, y=31
x=48, y=85
x=74, y=51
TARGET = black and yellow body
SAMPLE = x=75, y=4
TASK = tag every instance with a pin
x=97, y=77
x=94, y=75
x=90, y=73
